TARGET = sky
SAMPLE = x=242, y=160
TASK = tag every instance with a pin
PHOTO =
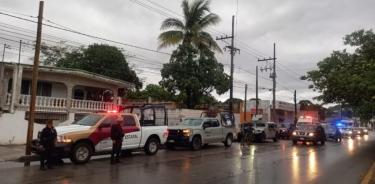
x=305, y=32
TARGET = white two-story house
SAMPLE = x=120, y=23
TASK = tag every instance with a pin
x=63, y=95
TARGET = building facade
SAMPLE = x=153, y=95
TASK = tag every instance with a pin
x=63, y=95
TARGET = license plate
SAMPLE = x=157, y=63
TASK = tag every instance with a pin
x=170, y=140
x=302, y=138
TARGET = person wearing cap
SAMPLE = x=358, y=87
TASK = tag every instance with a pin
x=48, y=138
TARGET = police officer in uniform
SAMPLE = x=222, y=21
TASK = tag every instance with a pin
x=117, y=135
x=48, y=138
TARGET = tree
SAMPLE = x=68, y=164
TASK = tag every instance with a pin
x=156, y=92
x=348, y=78
x=192, y=77
x=190, y=30
x=100, y=59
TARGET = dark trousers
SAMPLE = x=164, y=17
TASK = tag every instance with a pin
x=116, y=150
x=46, y=155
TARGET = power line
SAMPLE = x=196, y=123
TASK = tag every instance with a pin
x=87, y=35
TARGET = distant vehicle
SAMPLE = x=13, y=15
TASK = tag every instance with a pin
x=346, y=132
x=91, y=134
x=308, y=132
x=365, y=130
x=284, y=130
x=265, y=131
x=195, y=132
x=358, y=132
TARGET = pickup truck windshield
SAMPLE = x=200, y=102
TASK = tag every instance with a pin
x=260, y=125
x=89, y=120
x=192, y=122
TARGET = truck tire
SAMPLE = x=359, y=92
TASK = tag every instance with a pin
x=294, y=142
x=81, y=153
x=322, y=142
x=228, y=140
x=196, y=143
x=263, y=137
x=152, y=146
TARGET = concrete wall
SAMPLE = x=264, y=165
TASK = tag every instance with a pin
x=59, y=90
x=13, y=128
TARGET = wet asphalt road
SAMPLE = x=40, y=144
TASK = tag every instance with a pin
x=270, y=162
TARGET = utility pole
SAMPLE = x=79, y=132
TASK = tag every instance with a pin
x=19, y=53
x=295, y=106
x=245, y=102
x=2, y=73
x=232, y=51
x=256, y=93
x=34, y=82
x=273, y=76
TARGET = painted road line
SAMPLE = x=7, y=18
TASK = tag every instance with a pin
x=370, y=176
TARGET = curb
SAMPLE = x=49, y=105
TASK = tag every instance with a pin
x=370, y=176
x=29, y=158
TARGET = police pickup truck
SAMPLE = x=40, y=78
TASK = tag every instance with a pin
x=308, y=132
x=91, y=134
x=195, y=132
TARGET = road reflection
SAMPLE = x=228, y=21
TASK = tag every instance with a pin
x=312, y=167
x=295, y=166
x=350, y=146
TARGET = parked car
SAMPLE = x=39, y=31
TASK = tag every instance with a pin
x=195, y=132
x=284, y=130
x=265, y=131
x=91, y=135
x=309, y=132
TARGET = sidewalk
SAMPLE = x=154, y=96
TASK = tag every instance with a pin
x=11, y=152
x=370, y=176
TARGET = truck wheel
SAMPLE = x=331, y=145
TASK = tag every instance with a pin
x=228, y=140
x=322, y=142
x=294, y=142
x=196, y=143
x=152, y=146
x=263, y=137
x=81, y=153
x=275, y=139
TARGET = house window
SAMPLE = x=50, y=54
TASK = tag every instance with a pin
x=25, y=87
x=44, y=89
x=79, y=94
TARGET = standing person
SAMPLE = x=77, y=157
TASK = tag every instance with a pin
x=48, y=138
x=117, y=134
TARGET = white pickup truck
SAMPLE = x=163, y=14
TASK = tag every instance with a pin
x=91, y=135
x=195, y=132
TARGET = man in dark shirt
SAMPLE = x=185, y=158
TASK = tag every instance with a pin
x=117, y=135
x=48, y=138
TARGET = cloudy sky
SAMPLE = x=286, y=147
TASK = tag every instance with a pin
x=304, y=31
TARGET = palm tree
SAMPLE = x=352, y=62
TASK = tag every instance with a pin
x=197, y=17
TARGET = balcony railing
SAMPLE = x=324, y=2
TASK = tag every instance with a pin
x=54, y=104
x=92, y=105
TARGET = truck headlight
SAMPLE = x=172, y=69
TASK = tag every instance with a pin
x=186, y=132
x=294, y=133
x=63, y=139
x=311, y=134
x=350, y=132
x=365, y=130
